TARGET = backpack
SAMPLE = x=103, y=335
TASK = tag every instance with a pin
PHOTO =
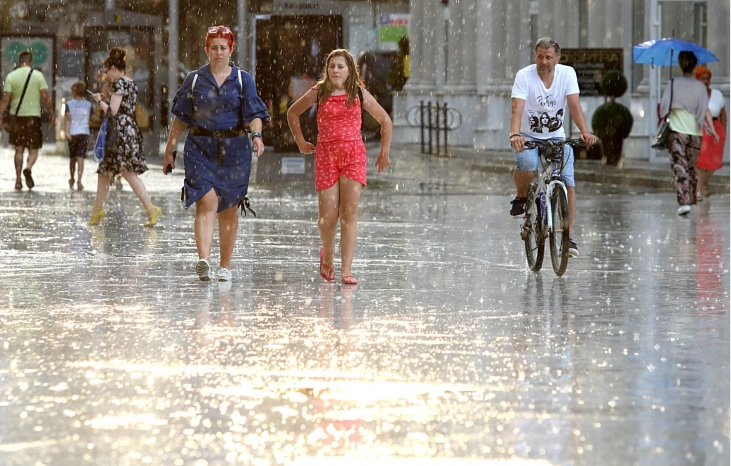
x=244, y=204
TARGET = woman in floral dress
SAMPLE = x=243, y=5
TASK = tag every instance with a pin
x=129, y=158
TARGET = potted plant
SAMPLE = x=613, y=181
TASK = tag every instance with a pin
x=612, y=122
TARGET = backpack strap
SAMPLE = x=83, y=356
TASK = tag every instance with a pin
x=195, y=78
x=241, y=82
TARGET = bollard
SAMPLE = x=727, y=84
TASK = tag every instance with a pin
x=446, y=151
x=429, y=126
x=439, y=135
x=421, y=121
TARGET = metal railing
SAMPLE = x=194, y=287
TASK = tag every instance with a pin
x=434, y=119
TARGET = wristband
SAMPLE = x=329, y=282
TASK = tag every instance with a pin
x=255, y=134
x=514, y=134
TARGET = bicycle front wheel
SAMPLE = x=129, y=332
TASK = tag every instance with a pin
x=532, y=233
x=559, y=235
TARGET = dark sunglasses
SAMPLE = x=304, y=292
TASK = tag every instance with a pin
x=219, y=30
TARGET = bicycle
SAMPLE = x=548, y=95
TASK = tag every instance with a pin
x=547, y=207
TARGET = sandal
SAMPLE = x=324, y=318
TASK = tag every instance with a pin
x=329, y=269
x=28, y=178
x=349, y=280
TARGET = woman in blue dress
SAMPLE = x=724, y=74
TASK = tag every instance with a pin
x=219, y=103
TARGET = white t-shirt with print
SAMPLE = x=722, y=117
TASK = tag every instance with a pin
x=545, y=109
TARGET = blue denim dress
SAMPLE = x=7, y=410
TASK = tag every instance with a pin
x=214, y=108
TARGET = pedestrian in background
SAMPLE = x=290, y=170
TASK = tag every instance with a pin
x=78, y=111
x=340, y=155
x=219, y=103
x=689, y=105
x=25, y=89
x=129, y=157
x=714, y=133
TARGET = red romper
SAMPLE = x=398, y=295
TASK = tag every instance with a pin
x=340, y=149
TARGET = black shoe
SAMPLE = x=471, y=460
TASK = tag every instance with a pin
x=573, y=248
x=517, y=209
x=28, y=178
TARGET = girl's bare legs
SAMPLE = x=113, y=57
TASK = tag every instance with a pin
x=704, y=177
x=205, y=222
x=228, y=225
x=102, y=189
x=348, y=209
x=138, y=187
x=329, y=206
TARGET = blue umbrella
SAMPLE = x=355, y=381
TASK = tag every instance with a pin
x=664, y=52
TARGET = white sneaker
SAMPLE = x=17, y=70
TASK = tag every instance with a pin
x=224, y=275
x=684, y=210
x=203, y=269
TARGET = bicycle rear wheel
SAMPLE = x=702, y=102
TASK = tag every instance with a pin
x=532, y=234
x=559, y=235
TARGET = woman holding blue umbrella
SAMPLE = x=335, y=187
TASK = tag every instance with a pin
x=686, y=101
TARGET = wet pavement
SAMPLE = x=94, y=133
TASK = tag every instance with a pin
x=449, y=351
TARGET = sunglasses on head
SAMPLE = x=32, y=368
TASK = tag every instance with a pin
x=219, y=30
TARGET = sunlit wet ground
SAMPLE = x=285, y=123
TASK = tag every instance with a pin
x=448, y=352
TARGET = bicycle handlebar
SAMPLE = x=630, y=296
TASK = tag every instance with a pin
x=542, y=144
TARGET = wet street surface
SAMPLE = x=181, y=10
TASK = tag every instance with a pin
x=448, y=352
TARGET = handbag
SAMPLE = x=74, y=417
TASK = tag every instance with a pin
x=100, y=146
x=112, y=134
x=661, y=139
x=11, y=121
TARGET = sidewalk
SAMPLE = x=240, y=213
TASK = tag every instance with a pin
x=634, y=172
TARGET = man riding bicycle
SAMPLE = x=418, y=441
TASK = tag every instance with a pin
x=540, y=94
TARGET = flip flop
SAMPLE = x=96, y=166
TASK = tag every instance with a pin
x=18, y=185
x=349, y=280
x=331, y=270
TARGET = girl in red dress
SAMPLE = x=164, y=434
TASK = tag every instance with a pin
x=340, y=155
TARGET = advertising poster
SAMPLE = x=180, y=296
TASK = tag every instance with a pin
x=391, y=28
x=43, y=50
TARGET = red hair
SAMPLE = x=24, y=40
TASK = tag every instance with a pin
x=700, y=70
x=221, y=35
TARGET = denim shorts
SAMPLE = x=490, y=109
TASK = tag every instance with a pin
x=527, y=161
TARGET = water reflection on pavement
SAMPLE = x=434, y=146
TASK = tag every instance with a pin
x=449, y=349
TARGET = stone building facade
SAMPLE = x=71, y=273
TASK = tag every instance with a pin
x=466, y=53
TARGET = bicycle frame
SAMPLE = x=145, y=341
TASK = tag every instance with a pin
x=546, y=212
x=548, y=217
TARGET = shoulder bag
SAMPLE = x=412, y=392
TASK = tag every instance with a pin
x=11, y=121
x=661, y=139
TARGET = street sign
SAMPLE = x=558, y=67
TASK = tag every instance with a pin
x=293, y=165
x=590, y=66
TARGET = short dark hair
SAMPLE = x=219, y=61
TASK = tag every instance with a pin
x=687, y=61
x=26, y=57
x=78, y=88
x=547, y=43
